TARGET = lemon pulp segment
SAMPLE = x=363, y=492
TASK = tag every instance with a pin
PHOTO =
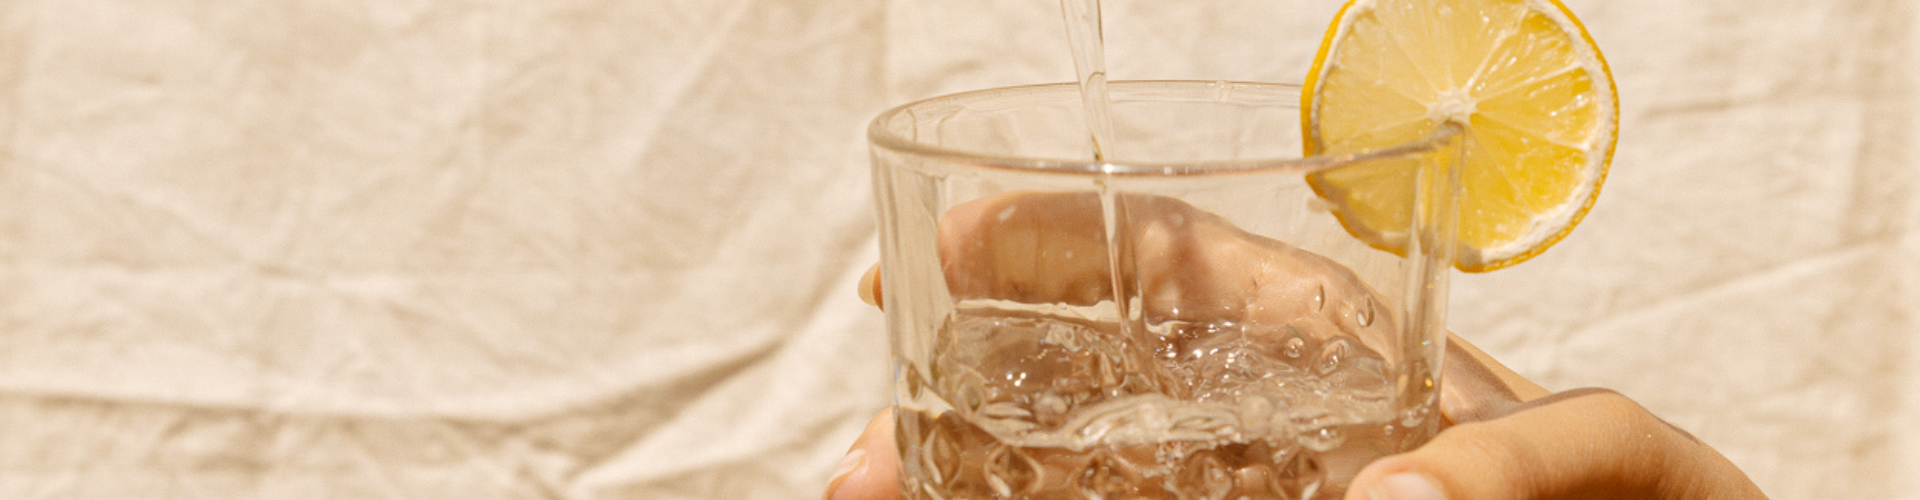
x=1523, y=78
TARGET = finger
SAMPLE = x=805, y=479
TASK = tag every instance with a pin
x=1187, y=264
x=871, y=469
x=869, y=287
x=1476, y=387
x=1030, y=247
x=1578, y=444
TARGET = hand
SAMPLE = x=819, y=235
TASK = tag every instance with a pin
x=1506, y=438
x=1503, y=438
x=1192, y=265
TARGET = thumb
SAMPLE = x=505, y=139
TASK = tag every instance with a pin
x=1578, y=444
x=871, y=469
x=869, y=287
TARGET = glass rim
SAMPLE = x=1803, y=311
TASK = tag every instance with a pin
x=878, y=136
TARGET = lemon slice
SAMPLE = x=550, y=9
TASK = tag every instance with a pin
x=1524, y=80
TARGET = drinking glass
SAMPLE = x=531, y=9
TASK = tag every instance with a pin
x=1187, y=319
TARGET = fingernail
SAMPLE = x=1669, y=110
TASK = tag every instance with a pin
x=854, y=460
x=867, y=285
x=1405, y=486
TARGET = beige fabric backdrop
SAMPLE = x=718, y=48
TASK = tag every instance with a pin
x=478, y=249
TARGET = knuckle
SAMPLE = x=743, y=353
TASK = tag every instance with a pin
x=1489, y=454
x=1543, y=454
x=1613, y=409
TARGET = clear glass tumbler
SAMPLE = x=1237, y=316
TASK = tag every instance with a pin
x=1190, y=320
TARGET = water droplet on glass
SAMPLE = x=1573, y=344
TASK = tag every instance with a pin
x=1295, y=344
x=915, y=383
x=1365, y=314
x=971, y=398
x=1331, y=356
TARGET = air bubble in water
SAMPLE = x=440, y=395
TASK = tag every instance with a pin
x=1414, y=416
x=1323, y=439
x=1049, y=408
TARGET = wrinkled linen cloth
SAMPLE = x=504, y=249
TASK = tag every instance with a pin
x=506, y=249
